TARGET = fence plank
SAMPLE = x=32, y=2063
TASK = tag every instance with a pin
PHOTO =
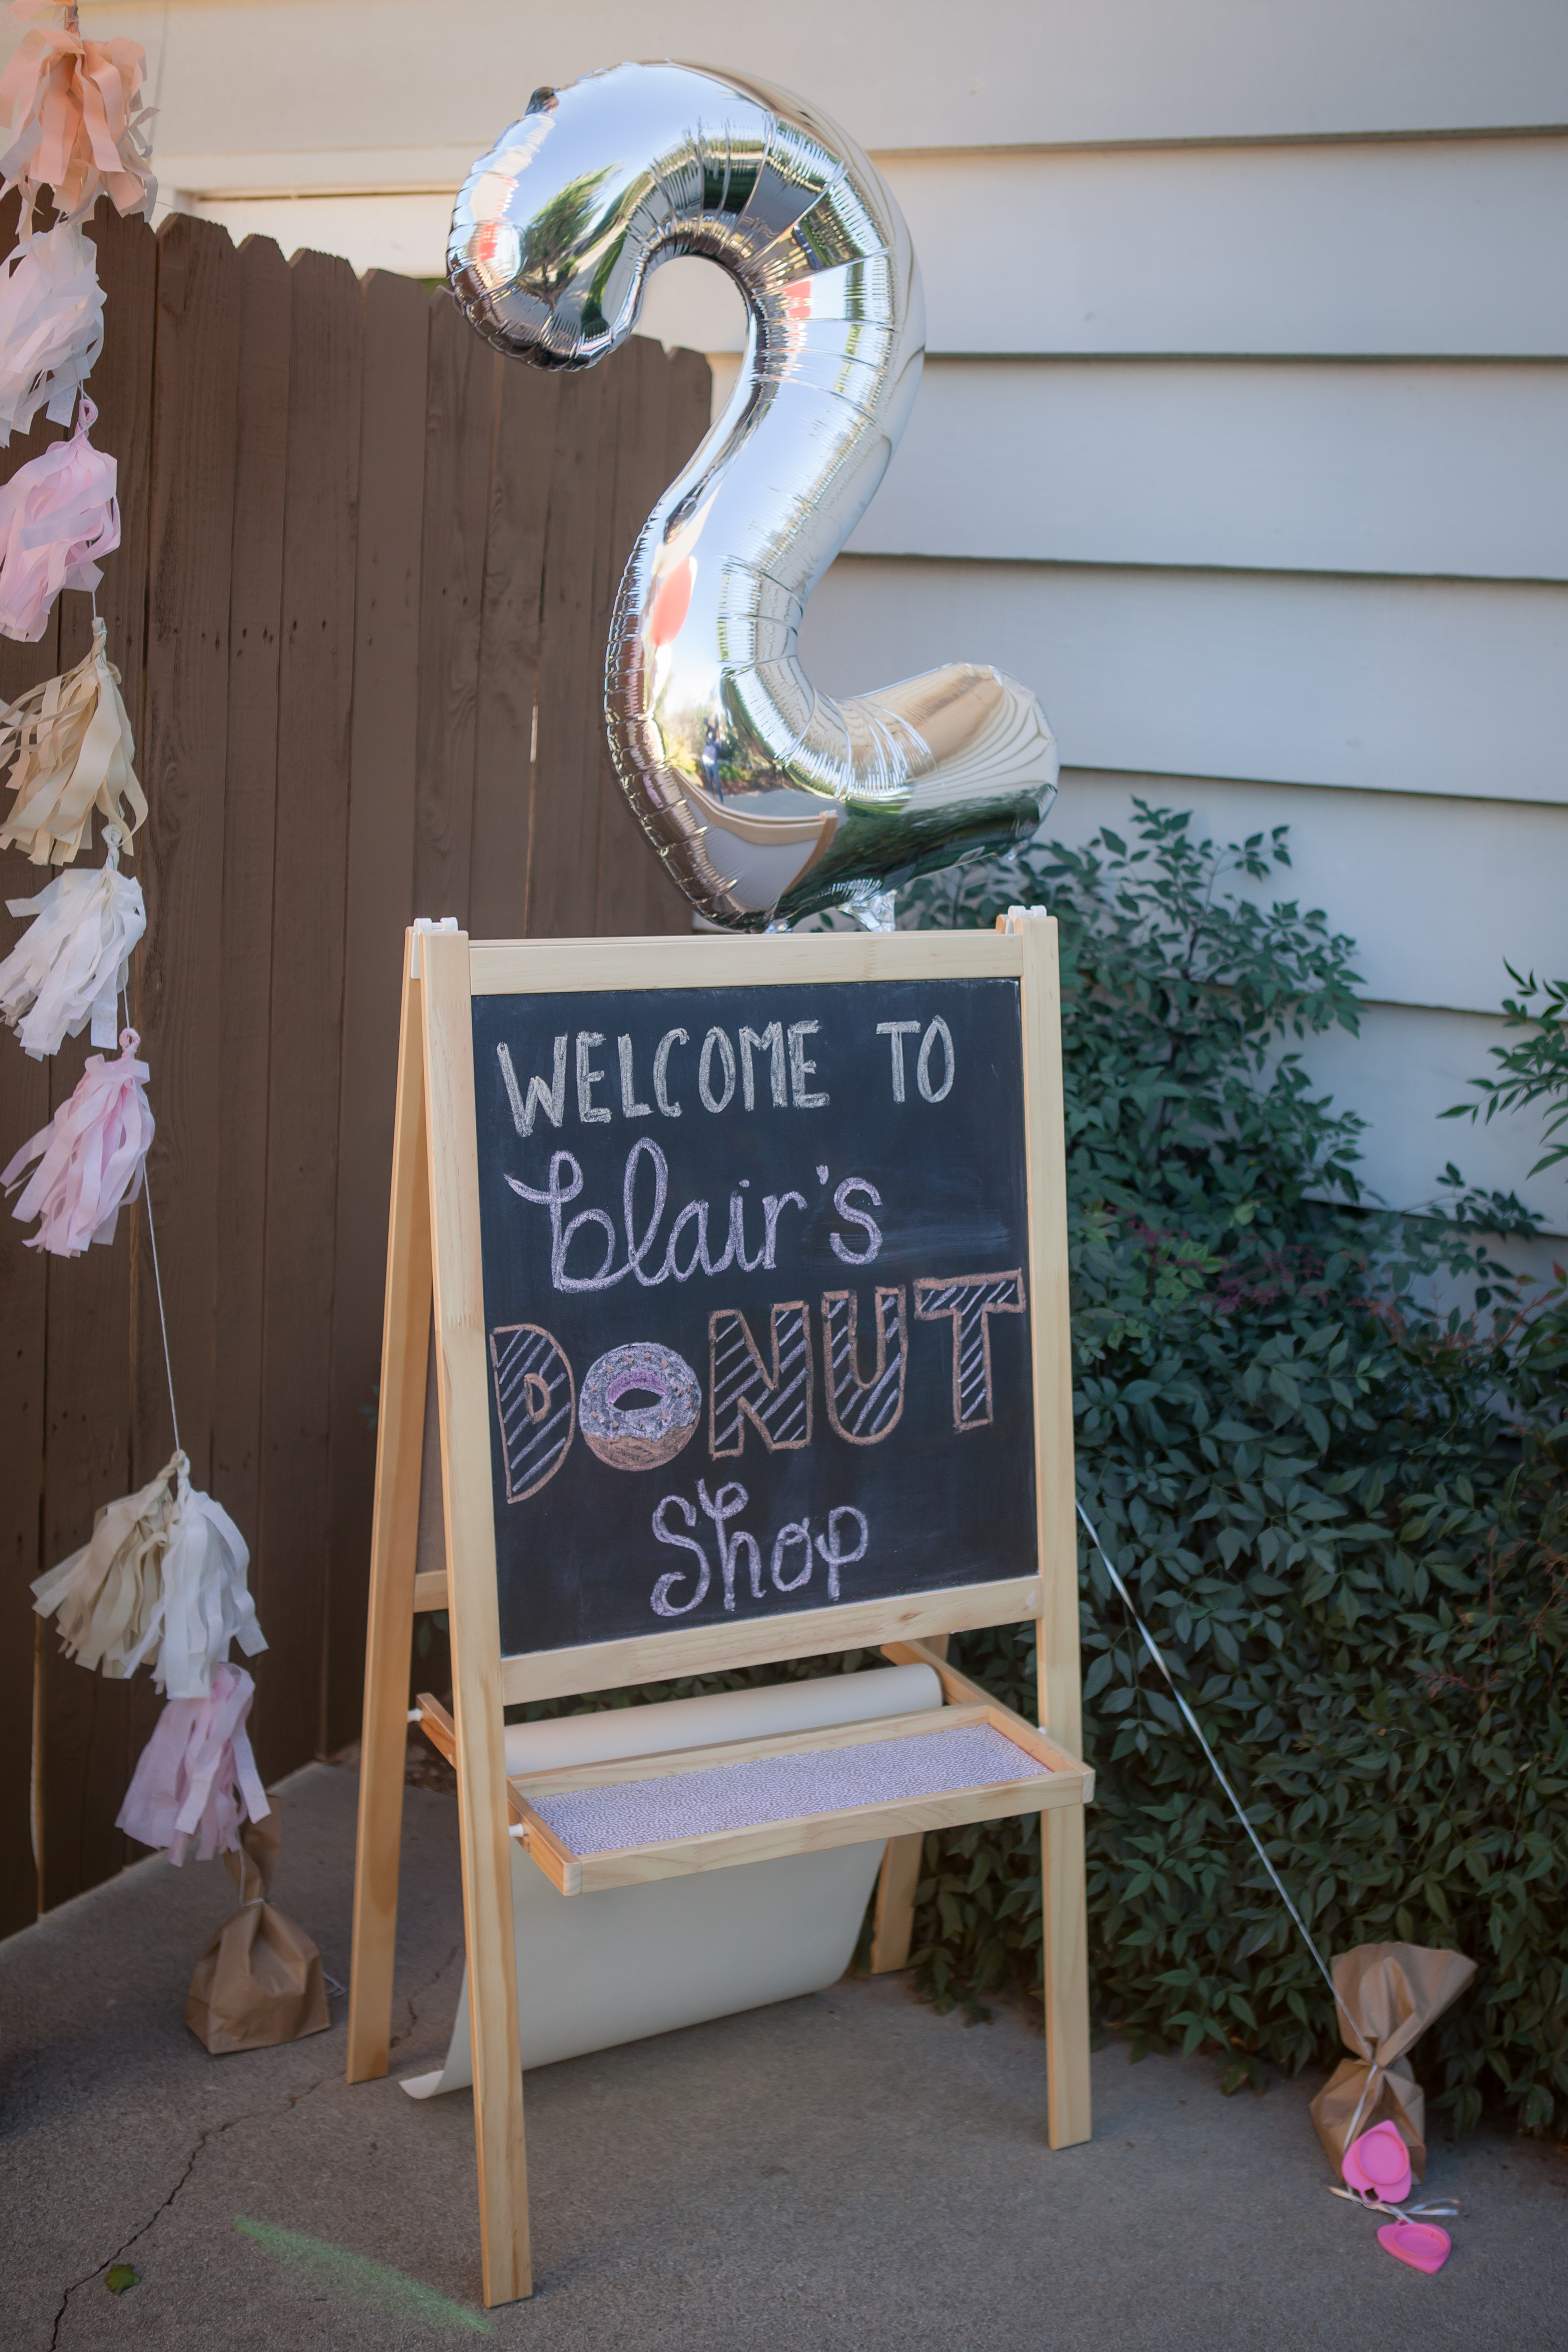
x=315, y=700
x=92, y=1729
x=380, y=906
x=250, y=809
x=24, y=1295
x=687, y=412
x=631, y=875
x=508, y=651
x=664, y=416
x=690, y=405
x=459, y=435
x=562, y=866
x=184, y=745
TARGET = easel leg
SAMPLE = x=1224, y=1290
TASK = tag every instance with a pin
x=1067, y=1975
x=463, y=1372
x=405, y=1348
x=892, y=1921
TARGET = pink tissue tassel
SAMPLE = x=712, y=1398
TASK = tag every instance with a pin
x=196, y=1776
x=90, y=1156
x=57, y=512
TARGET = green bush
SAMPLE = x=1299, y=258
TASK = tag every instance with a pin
x=1340, y=1512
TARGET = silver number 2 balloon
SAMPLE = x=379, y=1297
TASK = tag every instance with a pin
x=765, y=799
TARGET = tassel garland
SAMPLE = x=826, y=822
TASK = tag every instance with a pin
x=90, y=1156
x=74, y=108
x=106, y=1597
x=57, y=512
x=71, y=744
x=51, y=326
x=196, y=1776
x=160, y=1582
x=68, y=968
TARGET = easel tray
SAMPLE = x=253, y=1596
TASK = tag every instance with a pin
x=639, y=1818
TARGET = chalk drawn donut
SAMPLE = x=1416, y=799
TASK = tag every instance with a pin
x=535, y=1403
x=639, y=1438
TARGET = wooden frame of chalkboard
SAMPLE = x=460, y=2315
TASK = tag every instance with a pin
x=540, y=1193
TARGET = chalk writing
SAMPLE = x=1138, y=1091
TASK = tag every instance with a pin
x=591, y=1113
x=630, y=1106
x=535, y=1405
x=662, y=1051
x=790, y=1071
x=872, y=1231
x=933, y=1093
x=689, y=1229
x=769, y=1040
x=936, y=1032
x=551, y=1100
x=864, y=1411
x=971, y=1300
x=740, y=1388
x=846, y=1542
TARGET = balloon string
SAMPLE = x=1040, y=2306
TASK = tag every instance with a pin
x=1153, y=1647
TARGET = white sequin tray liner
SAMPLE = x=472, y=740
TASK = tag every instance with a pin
x=782, y=1787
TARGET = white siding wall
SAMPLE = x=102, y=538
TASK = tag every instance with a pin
x=1242, y=437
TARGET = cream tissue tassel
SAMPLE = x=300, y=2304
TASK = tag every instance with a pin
x=73, y=748
x=106, y=1597
x=161, y=1582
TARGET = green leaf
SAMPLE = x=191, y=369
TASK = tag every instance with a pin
x=1098, y=1674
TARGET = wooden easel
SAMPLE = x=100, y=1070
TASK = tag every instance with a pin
x=435, y=1267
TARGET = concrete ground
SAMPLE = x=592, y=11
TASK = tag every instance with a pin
x=844, y=2171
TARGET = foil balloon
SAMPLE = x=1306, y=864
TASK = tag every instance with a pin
x=765, y=799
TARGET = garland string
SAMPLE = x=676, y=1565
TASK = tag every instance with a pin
x=158, y=1279
x=1196, y=1729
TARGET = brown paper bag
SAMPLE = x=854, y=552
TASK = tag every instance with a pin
x=1393, y=1993
x=259, y=1980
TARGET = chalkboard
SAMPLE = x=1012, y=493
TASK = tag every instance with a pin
x=756, y=1285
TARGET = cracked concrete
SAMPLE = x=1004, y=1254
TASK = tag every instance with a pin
x=101, y=2269
x=847, y=2170
x=450, y=1966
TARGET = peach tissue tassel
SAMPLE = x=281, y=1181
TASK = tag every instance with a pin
x=90, y=1156
x=161, y=1582
x=51, y=326
x=57, y=513
x=78, y=123
x=69, y=747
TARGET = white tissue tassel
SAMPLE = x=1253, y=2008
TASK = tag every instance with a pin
x=206, y=1602
x=51, y=326
x=70, y=966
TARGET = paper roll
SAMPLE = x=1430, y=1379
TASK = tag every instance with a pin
x=593, y=1970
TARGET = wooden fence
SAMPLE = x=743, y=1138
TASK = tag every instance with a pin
x=359, y=609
